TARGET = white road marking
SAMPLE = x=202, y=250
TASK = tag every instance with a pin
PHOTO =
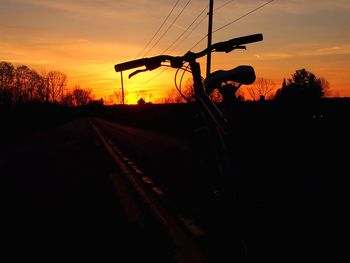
x=194, y=229
x=187, y=250
x=147, y=180
x=157, y=190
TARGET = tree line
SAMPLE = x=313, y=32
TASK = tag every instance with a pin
x=302, y=86
x=22, y=84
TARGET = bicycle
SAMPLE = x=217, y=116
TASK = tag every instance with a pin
x=217, y=127
x=215, y=120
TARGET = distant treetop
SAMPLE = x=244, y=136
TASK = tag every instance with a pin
x=302, y=86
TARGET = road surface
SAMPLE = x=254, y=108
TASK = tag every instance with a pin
x=64, y=195
x=58, y=202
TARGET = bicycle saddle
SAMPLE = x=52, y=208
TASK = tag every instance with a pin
x=241, y=74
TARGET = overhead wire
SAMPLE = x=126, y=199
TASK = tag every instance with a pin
x=246, y=14
x=188, y=27
x=230, y=23
x=161, y=26
x=194, y=28
x=161, y=72
x=168, y=28
x=223, y=5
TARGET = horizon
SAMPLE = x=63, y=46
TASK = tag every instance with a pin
x=81, y=39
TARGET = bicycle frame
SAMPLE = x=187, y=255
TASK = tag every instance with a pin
x=214, y=120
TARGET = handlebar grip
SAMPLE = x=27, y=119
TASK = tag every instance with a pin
x=227, y=46
x=246, y=39
x=130, y=64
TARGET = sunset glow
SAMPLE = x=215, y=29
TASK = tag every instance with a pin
x=86, y=38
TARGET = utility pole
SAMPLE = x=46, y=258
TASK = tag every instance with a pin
x=210, y=32
x=121, y=76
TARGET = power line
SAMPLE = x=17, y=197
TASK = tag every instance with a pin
x=178, y=38
x=166, y=31
x=228, y=24
x=197, y=43
x=155, y=76
x=161, y=72
x=166, y=19
x=223, y=5
x=193, y=29
x=254, y=10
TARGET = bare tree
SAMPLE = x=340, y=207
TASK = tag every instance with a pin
x=261, y=88
x=188, y=90
x=81, y=96
x=34, y=85
x=183, y=95
x=68, y=100
x=117, y=97
x=173, y=96
x=56, y=81
x=22, y=83
x=325, y=86
x=6, y=80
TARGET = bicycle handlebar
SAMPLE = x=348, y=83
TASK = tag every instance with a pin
x=229, y=45
x=130, y=64
x=177, y=62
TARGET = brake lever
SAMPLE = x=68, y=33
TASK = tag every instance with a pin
x=228, y=50
x=137, y=72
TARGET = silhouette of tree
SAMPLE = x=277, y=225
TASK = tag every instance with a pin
x=174, y=96
x=81, y=96
x=303, y=86
x=35, y=82
x=56, y=81
x=117, y=97
x=325, y=86
x=22, y=84
x=21, y=88
x=188, y=90
x=68, y=100
x=7, y=73
x=261, y=89
x=41, y=90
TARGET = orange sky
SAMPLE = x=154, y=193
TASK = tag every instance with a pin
x=85, y=38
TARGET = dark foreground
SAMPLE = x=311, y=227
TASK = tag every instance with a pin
x=58, y=202
x=290, y=198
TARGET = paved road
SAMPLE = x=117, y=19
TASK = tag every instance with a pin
x=283, y=212
x=58, y=202
x=181, y=172
x=57, y=198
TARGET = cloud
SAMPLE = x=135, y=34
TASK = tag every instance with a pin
x=302, y=6
x=342, y=49
x=302, y=51
x=96, y=8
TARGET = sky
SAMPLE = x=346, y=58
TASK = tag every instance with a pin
x=86, y=38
